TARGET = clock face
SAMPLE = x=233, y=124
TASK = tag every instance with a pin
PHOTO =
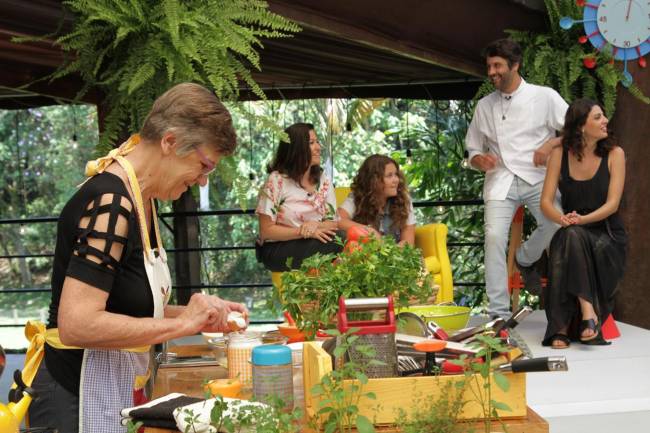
x=624, y=24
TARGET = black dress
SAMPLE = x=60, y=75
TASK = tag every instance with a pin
x=585, y=261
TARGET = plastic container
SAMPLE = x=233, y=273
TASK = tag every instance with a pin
x=450, y=317
x=298, y=380
x=240, y=349
x=273, y=374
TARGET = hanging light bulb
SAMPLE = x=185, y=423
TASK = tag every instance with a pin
x=440, y=209
x=465, y=162
x=22, y=229
x=251, y=175
x=409, y=156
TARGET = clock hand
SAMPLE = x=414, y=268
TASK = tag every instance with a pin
x=627, y=14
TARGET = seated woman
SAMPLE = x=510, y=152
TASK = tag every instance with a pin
x=379, y=201
x=587, y=254
x=296, y=206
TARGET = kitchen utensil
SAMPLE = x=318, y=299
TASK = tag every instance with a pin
x=451, y=347
x=516, y=318
x=380, y=334
x=436, y=331
x=412, y=324
x=465, y=334
x=548, y=363
x=430, y=347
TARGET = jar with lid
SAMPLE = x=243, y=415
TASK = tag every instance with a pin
x=240, y=349
x=273, y=374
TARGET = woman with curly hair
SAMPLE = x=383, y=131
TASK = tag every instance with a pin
x=379, y=201
x=296, y=205
x=587, y=255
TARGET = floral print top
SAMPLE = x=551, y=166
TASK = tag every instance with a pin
x=288, y=204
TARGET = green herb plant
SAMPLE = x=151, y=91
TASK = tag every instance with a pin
x=481, y=389
x=341, y=390
x=377, y=268
x=434, y=416
x=240, y=416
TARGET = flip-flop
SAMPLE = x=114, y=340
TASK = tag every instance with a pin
x=560, y=337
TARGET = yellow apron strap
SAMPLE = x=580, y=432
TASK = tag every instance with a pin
x=37, y=335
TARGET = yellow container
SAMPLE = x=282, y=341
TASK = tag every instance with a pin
x=402, y=392
x=450, y=317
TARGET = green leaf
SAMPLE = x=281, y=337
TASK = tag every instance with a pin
x=501, y=381
x=364, y=425
x=501, y=406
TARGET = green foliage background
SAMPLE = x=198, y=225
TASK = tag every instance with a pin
x=433, y=131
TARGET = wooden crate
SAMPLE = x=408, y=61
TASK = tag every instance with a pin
x=402, y=392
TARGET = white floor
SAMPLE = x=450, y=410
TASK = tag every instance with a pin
x=607, y=388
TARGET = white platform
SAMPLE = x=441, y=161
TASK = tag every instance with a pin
x=607, y=388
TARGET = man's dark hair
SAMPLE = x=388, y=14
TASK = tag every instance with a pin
x=506, y=48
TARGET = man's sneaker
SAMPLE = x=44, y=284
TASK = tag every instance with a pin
x=532, y=279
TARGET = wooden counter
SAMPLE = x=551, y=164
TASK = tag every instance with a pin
x=188, y=380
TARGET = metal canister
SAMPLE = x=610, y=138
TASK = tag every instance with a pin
x=240, y=348
x=273, y=374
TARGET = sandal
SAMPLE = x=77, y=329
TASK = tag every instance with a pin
x=589, y=324
x=560, y=338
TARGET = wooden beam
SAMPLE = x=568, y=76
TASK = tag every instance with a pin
x=631, y=125
x=339, y=28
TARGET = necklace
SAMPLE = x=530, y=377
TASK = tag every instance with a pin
x=505, y=112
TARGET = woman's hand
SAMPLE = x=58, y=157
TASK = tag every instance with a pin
x=324, y=235
x=572, y=218
x=307, y=229
x=223, y=308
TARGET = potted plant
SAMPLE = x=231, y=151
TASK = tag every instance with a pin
x=366, y=269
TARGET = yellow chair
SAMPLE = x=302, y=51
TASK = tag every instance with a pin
x=432, y=240
x=341, y=193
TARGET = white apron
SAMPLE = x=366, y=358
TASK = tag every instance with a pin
x=112, y=379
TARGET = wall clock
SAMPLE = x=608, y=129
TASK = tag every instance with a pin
x=622, y=24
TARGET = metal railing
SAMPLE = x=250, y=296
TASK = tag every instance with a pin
x=222, y=212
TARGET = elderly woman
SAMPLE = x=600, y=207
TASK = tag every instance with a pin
x=587, y=255
x=296, y=206
x=379, y=201
x=110, y=281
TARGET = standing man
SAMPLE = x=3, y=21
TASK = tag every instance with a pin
x=511, y=135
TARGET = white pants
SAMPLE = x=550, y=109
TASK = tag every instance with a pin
x=498, y=218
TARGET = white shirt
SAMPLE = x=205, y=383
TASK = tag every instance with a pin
x=288, y=204
x=532, y=115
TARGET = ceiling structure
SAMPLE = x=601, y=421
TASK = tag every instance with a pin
x=424, y=49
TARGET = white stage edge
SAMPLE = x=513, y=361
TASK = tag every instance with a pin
x=607, y=388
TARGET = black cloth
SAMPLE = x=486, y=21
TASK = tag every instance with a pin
x=585, y=261
x=125, y=279
x=55, y=407
x=274, y=255
x=162, y=414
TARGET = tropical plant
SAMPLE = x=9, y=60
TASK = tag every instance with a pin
x=575, y=70
x=376, y=268
x=133, y=50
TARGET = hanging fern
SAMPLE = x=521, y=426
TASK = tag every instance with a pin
x=555, y=59
x=133, y=50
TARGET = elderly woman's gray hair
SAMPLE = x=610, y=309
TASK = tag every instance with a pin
x=195, y=115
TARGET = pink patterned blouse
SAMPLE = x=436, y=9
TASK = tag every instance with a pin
x=288, y=204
